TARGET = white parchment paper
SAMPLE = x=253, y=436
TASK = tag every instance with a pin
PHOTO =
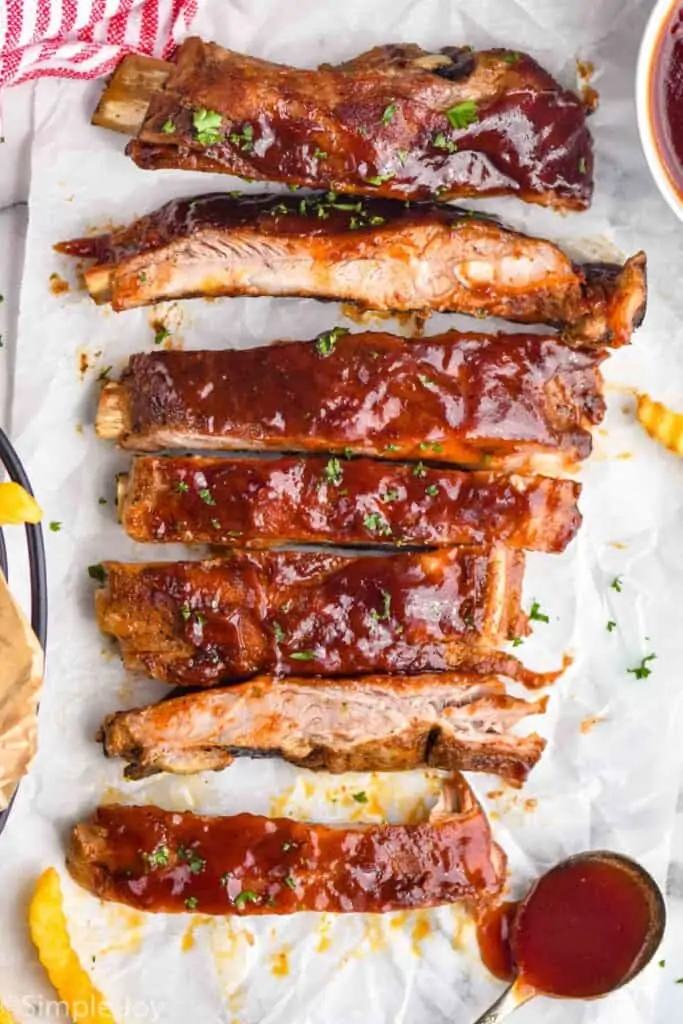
x=609, y=776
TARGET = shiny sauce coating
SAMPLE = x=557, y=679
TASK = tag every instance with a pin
x=159, y=860
x=397, y=121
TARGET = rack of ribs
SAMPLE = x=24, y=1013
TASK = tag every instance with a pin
x=492, y=401
x=261, y=503
x=305, y=613
x=380, y=254
x=166, y=861
x=376, y=723
x=397, y=121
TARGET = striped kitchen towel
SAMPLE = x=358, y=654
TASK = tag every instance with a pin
x=85, y=38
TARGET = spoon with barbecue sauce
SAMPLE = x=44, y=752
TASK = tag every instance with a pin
x=585, y=928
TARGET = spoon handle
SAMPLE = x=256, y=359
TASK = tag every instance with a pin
x=506, y=1004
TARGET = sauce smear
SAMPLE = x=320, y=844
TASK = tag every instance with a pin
x=494, y=929
x=582, y=929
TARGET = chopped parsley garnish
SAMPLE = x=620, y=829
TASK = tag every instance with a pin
x=425, y=381
x=97, y=572
x=207, y=125
x=402, y=156
x=158, y=858
x=388, y=114
x=430, y=446
x=376, y=220
x=246, y=896
x=224, y=879
x=385, y=614
x=517, y=642
x=611, y=626
x=244, y=140
x=582, y=165
x=363, y=131
x=536, y=615
x=376, y=524
x=185, y=611
x=419, y=470
x=642, y=671
x=319, y=154
x=101, y=501
x=168, y=127
x=325, y=342
x=391, y=495
x=333, y=472
x=511, y=58
x=104, y=374
x=290, y=881
x=278, y=632
x=392, y=447
x=661, y=963
x=616, y=584
x=206, y=496
x=379, y=179
x=182, y=487
x=142, y=277
x=360, y=798
x=161, y=334
x=432, y=490
x=191, y=902
x=441, y=141
x=55, y=526
x=463, y=114
x=303, y=656
x=195, y=863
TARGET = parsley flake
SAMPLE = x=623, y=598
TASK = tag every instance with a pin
x=333, y=472
x=191, y=902
x=207, y=125
x=325, y=342
x=158, y=858
x=517, y=641
x=195, y=863
x=536, y=615
x=376, y=524
x=441, y=141
x=392, y=495
x=97, y=572
x=432, y=490
x=246, y=896
x=290, y=881
x=642, y=671
x=185, y=611
x=616, y=584
x=611, y=626
x=419, y=470
x=385, y=614
x=206, y=496
x=303, y=656
x=168, y=127
x=388, y=114
x=360, y=798
x=278, y=632
x=55, y=526
x=379, y=179
x=104, y=374
x=161, y=334
x=244, y=140
x=182, y=487
x=583, y=166
x=463, y=114
x=511, y=58
x=319, y=154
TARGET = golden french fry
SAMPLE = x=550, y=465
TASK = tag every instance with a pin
x=661, y=423
x=17, y=506
x=48, y=927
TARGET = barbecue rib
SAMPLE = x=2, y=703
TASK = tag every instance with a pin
x=167, y=861
x=261, y=503
x=398, y=121
x=378, y=723
x=470, y=399
x=304, y=613
x=377, y=253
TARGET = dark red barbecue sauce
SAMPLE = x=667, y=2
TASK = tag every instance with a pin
x=666, y=95
x=579, y=934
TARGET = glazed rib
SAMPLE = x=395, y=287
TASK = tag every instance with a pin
x=261, y=503
x=469, y=399
x=378, y=723
x=167, y=861
x=304, y=613
x=379, y=254
x=378, y=123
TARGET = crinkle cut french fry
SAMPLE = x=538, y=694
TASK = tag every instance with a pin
x=661, y=423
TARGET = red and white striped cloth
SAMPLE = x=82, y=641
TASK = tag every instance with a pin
x=85, y=38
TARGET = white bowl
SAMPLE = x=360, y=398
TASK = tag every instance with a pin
x=661, y=14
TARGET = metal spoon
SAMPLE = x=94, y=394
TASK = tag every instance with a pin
x=520, y=992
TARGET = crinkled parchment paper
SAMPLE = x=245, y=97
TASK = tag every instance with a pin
x=609, y=775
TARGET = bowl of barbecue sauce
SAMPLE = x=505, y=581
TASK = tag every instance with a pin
x=584, y=929
x=659, y=97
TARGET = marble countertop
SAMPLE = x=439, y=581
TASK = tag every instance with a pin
x=14, y=183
